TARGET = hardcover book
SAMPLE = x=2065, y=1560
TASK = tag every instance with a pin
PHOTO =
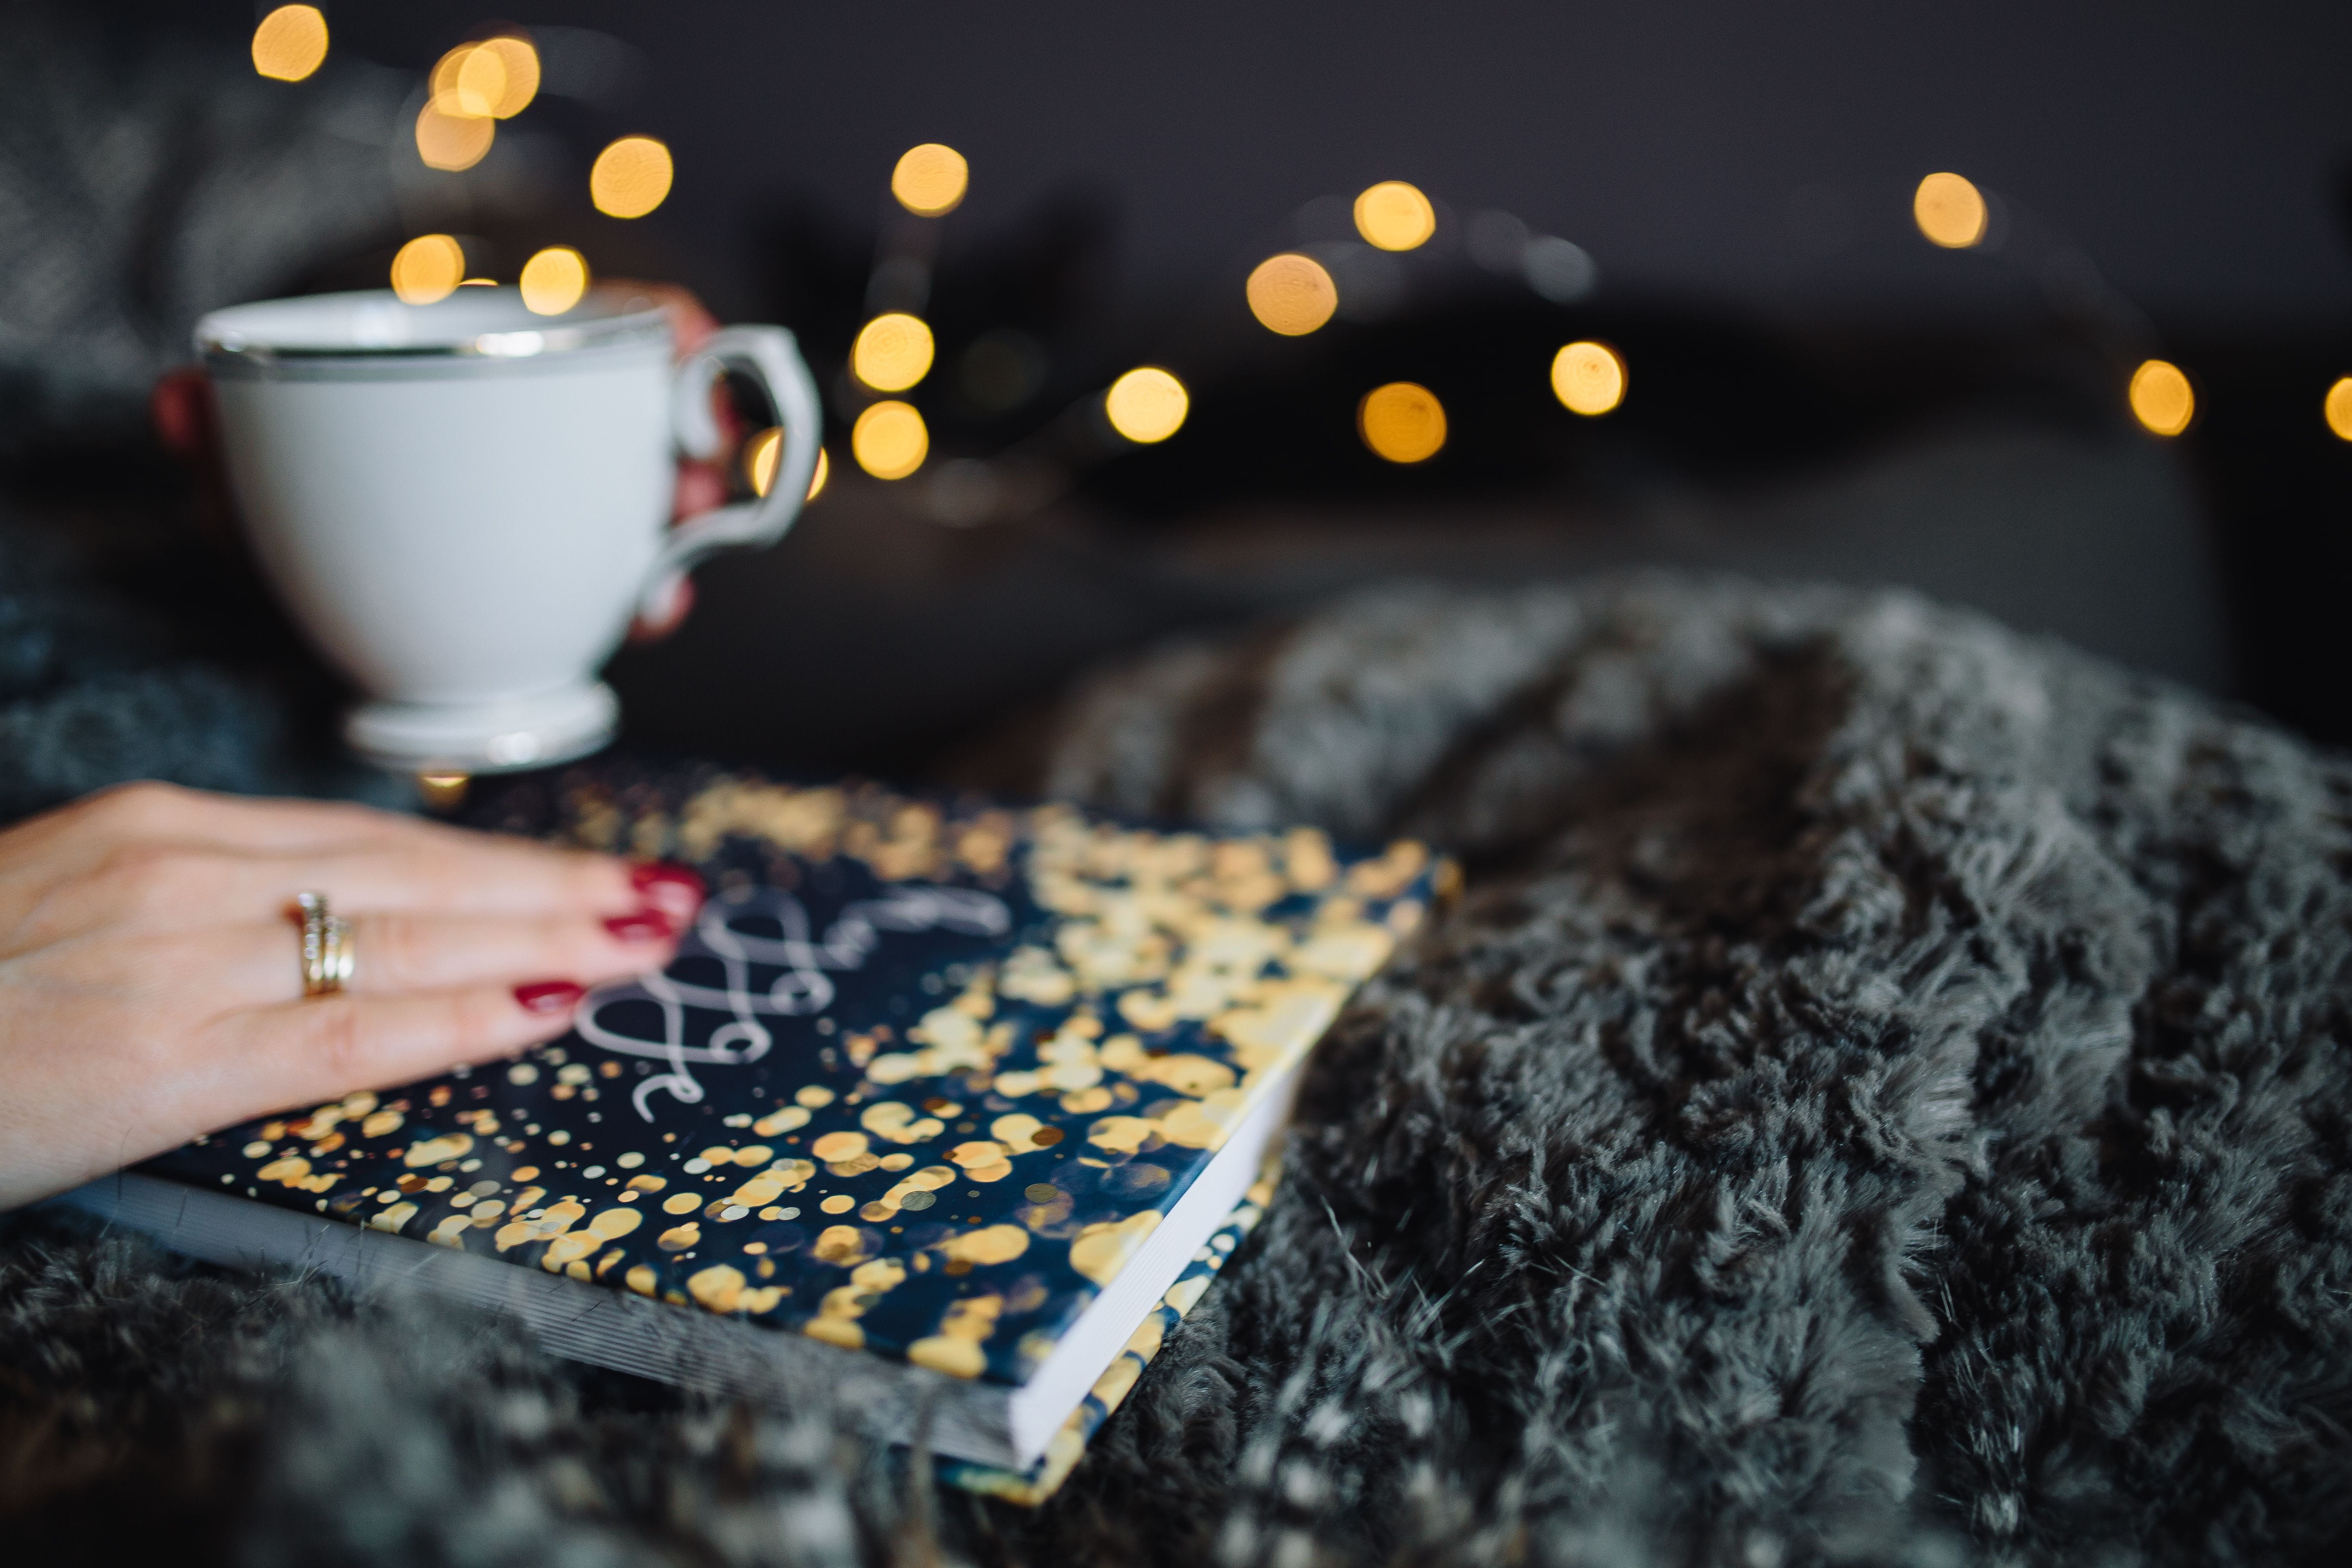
x=962, y=1102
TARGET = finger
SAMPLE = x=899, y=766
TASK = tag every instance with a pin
x=675, y=607
x=296, y=1052
x=486, y=877
x=391, y=953
x=171, y=888
x=150, y=811
x=701, y=487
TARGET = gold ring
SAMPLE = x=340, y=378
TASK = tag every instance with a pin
x=327, y=957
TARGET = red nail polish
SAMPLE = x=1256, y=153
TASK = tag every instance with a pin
x=673, y=890
x=646, y=925
x=549, y=997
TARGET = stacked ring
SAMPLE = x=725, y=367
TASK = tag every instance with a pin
x=327, y=957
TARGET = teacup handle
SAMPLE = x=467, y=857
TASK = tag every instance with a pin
x=768, y=356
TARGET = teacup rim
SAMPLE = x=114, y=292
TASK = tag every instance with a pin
x=228, y=335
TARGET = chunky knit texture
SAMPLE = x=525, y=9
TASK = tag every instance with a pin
x=1884, y=1098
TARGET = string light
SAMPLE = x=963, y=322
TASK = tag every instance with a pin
x=2339, y=408
x=452, y=142
x=290, y=43
x=1950, y=211
x=890, y=440
x=1394, y=215
x=428, y=268
x=1403, y=422
x=760, y=455
x=631, y=177
x=893, y=352
x=1292, y=294
x=931, y=180
x=1588, y=378
x=1146, y=404
x=2161, y=397
x=553, y=280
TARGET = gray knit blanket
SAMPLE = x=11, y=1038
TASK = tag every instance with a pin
x=1883, y=1099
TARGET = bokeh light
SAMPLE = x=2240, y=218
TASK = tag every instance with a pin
x=495, y=78
x=1394, y=215
x=290, y=43
x=1292, y=294
x=443, y=792
x=428, y=268
x=1146, y=404
x=631, y=177
x=1950, y=211
x=890, y=440
x=521, y=62
x=1403, y=422
x=553, y=280
x=469, y=82
x=931, y=180
x=452, y=142
x=1588, y=378
x=760, y=455
x=2161, y=397
x=893, y=352
x=2337, y=408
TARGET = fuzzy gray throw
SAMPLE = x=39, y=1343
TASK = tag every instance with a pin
x=1883, y=1098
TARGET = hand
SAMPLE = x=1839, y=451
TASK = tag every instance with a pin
x=151, y=978
x=180, y=408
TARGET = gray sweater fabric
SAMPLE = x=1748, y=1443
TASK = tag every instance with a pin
x=1882, y=1098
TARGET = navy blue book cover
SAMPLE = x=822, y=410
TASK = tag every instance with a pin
x=924, y=1076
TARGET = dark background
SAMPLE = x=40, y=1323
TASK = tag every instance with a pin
x=1817, y=392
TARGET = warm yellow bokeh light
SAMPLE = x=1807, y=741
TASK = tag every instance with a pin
x=290, y=43
x=890, y=440
x=893, y=352
x=476, y=86
x=1588, y=377
x=759, y=455
x=762, y=451
x=2161, y=397
x=1292, y=294
x=1394, y=215
x=1146, y=404
x=553, y=280
x=931, y=180
x=452, y=142
x=631, y=177
x=1403, y=422
x=1950, y=211
x=521, y=62
x=428, y=268
x=496, y=79
x=2339, y=408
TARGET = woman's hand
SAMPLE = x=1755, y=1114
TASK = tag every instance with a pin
x=151, y=984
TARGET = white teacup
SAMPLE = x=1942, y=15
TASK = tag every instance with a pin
x=465, y=503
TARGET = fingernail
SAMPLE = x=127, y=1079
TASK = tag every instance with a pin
x=646, y=925
x=549, y=997
x=673, y=890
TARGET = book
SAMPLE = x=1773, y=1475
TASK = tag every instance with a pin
x=957, y=1102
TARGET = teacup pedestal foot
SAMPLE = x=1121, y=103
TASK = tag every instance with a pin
x=496, y=737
